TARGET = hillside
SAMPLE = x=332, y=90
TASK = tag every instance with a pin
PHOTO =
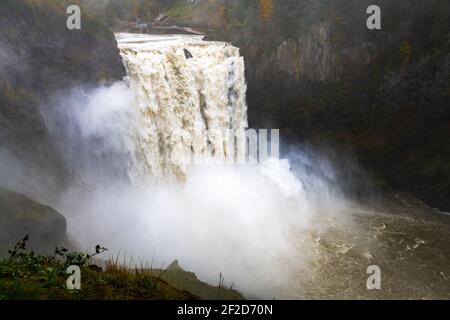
x=20, y=216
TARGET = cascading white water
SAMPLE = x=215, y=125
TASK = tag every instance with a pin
x=243, y=221
x=271, y=230
x=183, y=87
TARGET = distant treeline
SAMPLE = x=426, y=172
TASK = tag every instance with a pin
x=109, y=11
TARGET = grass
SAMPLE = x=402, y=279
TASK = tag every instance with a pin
x=185, y=280
x=29, y=276
x=18, y=283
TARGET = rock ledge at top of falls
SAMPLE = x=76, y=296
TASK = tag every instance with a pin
x=39, y=56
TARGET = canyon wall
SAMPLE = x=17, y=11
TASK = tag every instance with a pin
x=316, y=72
x=40, y=57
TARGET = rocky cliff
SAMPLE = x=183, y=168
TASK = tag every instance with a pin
x=316, y=72
x=38, y=57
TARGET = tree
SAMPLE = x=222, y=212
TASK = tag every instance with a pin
x=266, y=9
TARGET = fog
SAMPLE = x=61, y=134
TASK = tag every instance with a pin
x=241, y=221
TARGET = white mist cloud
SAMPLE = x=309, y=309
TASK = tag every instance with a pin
x=231, y=220
x=241, y=221
x=91, y=129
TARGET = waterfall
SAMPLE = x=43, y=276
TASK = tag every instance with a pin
x=129, y=147
x=187, y=92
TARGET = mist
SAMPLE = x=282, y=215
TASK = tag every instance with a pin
x=242, y=221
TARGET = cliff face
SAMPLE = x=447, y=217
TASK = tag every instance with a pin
x=316, y=72
x=38, y=57
x=21, y=216
x=310, y=56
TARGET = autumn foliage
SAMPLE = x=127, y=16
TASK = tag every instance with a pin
x=266, y=9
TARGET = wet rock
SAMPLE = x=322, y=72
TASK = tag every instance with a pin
x=188, y=54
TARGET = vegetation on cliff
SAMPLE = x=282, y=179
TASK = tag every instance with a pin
x=30, y=276
x=27, y=276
